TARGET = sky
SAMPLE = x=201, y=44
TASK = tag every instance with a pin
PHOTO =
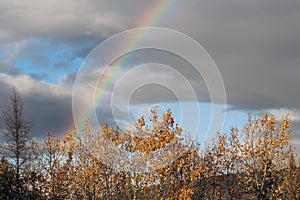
x=254, y=44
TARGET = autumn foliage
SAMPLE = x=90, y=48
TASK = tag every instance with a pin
x=254, y=162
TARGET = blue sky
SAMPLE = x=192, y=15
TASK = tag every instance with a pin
x=254, y=44
x=49, y=64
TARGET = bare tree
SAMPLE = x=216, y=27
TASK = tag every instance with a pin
x=17, y=146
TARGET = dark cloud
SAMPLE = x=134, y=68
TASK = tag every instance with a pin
x=69, y=79
x=49, y=107
x=255, y=45
x=64, y=21
x=179, y=74
x=295, y=126
x=7, y=67
x=37, y=76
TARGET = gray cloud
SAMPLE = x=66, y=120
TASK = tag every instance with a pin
x=7, y=67
x=180, y=74
x=295, y=141
x=255, y=44
x=68, y=79
x=38, y=76
x=66, y=21
x=48, y=106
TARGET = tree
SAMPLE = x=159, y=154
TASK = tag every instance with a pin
x=266, y=158
x=6, y=180
x=17, y=147
x=254, y=162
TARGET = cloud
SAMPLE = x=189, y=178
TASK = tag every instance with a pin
x=7, y=67
x=65, y=21
x=68, y=79
x=47, y=105
x=294, y=118
x=255, y=45
x=166, y=78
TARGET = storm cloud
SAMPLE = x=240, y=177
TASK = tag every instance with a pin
x=255, y=44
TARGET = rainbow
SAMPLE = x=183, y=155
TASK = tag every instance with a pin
x=153, y=18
